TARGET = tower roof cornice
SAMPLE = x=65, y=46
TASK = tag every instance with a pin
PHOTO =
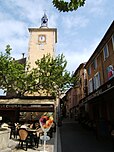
x=41, y=29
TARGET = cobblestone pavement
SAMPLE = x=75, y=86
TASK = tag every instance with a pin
x=49, y=148
x=13, y=145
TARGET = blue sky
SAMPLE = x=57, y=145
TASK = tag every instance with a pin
x=79, y=32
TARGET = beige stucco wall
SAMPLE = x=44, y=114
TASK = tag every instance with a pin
x=36, y=50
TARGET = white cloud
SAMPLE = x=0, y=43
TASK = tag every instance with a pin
x=9, y=28
x=15, y=34
x=31, y=10
x=74, y=22
x=18, y=46
x=79, y=55
x=27, y=10
x=96, y=7
x=53, y=20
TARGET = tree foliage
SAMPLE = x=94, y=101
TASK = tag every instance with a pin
x=52, y=76
x=12, y=74
x=65, y=6
x=49, y=75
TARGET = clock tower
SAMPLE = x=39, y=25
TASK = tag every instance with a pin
x=42, y=41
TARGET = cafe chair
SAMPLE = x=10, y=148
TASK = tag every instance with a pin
x=14, y=132
x=23, y=137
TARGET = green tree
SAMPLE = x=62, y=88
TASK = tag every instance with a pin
x=65, y=6
x=12, y=74
x=49, y=75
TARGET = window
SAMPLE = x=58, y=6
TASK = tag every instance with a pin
x=90, y=87
x=41, y=46
x=89, y=70
x=95, y=64
x=110, y=71
x=113, y=41
x=106, y=53
x=96, y=81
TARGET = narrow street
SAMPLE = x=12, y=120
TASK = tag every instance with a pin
x=74, y=138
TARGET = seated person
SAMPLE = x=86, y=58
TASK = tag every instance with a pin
x=17, y=125
x=32, y=125
x=39, y=132
x=24, y=125
x=37, y=125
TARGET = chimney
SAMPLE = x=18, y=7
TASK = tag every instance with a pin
x=23, y=54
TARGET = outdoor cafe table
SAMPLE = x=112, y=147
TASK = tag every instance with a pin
x=32, y=135
x=31, y=130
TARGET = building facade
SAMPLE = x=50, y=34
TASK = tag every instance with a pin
x=94, y=94
x=42, y=41
x=100, y=66
x=99, y=103
x=78, y=92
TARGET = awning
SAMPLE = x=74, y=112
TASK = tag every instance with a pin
x=26, y=101
x=27, y=104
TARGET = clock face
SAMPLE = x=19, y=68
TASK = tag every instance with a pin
x=42, y=38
